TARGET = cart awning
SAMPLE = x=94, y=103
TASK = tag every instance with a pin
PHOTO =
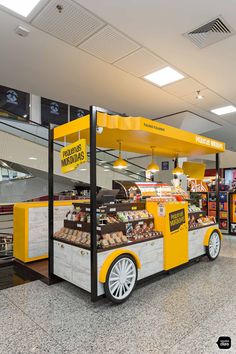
x=138, y=134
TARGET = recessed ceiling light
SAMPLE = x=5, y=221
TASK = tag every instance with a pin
x=164, y=76
x=106, y=170
x=105, y=166
x=23, y=7
x=83, y=169
x=33, y=158
x=224, y=110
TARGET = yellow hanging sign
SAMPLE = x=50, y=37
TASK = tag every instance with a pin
x=73, y=155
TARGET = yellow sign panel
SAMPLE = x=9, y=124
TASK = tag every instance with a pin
x=172, y=220
x=194, y=169
x=73, y=155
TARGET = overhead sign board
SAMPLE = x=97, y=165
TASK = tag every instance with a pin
x=76, y=112
x=53, y=112
x=73, y=155
x=14, y=102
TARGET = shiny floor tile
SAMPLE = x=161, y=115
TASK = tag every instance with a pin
x=184, y=312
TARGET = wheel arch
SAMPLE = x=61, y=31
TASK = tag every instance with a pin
x=111, y=257
x=208, y=234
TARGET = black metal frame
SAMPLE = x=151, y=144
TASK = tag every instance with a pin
x=93, y=197
x=50, y=199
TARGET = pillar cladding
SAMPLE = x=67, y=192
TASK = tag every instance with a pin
x=35, y=108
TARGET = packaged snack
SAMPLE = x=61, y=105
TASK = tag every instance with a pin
x=104, y=243
x=117, y=239
x=111, y=242
x=124, y=238
x=106, y=236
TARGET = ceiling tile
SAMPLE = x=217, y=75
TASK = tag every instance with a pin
x=73, y=25
x=230, y=118
x=140, y=63
x=109, y=45
x=210, y=100
x=191, y=122
x=184, y=87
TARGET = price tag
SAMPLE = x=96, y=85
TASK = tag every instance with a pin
x=87, y=209
x=161, y=210
x=79, y=225
x=140, y=222
x=113, y=209
x=98, y=228
x=134, y=208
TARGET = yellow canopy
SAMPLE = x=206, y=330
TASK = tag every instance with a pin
x=138, y=134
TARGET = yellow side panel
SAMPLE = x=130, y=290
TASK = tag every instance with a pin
x=233, y=208
x=21, y=227
x=208, y=234
x=172, y=220
x=20, y=236
x=112, y=256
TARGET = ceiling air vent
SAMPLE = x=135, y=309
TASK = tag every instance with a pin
x=212, y=32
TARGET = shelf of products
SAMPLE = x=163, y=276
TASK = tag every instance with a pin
x=115, y=226
x=196, y=222
x=200, y=199
x=161, y=192
x=197, y=218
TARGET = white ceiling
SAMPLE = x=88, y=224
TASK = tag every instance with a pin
x=98, y=53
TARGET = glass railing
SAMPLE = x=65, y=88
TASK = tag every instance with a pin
x=38, y=134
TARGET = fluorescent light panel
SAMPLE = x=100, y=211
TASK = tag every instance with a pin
x=164, y=76
x=224, y=110
x=21, y=7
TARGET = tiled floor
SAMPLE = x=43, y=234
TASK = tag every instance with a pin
x=185, y=312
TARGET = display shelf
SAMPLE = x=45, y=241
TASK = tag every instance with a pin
x=197, y=214
x=107, y=228
x=71, y=243
x=129, y=243
x=112, y=208
x=201, y=227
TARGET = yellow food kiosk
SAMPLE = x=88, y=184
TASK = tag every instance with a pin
x=139, y=239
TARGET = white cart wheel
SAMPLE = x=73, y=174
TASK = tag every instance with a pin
x=214, y=245
x=121, y=279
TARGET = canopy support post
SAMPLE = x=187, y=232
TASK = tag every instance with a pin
x=93, y=202
x=50, y=200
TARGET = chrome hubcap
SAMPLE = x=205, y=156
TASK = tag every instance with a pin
x=122, y=278
x=214, y=245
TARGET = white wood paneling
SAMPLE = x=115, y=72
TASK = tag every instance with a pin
x=38, y=228
x=73, y=263
x=196, y=239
